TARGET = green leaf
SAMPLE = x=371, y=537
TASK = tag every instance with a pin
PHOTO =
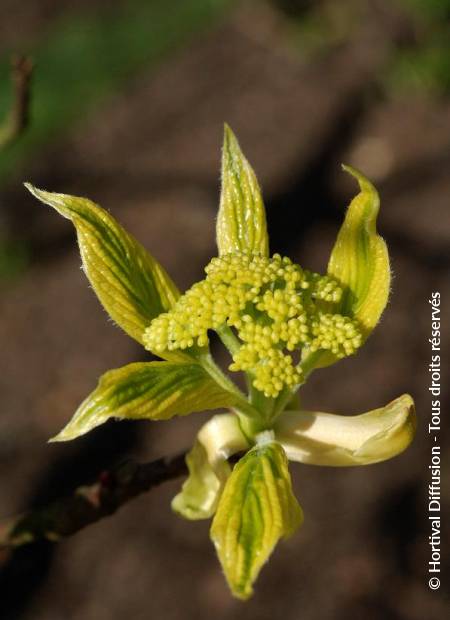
x=241, y=222
x=327, y=439
x=129, y=282
x=256, y=509
x=147, y=390
x=360, y=260
x=208, y=468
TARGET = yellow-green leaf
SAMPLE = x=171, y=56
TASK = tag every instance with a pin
x=256, y=509
x=132, y=286
x=360, y=260
x=208, y=468
x=147, y=390
x=241, y=222
x=328, y=439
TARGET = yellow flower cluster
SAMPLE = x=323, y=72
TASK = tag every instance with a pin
x=274, y=306
x=336, y=333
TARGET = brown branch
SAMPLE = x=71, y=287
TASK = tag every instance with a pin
x=89, y=504
x=17, y=119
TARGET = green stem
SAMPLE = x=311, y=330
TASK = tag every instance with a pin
x=233, y=344
x=228, y=338
x=309, y=363
x=242, y=405
x=251, y=426
x=264, y=404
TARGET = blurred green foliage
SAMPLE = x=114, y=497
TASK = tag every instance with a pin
x=13, y=259
x=86, y=57
x=316, y=27
x=82, y=60
x=429, y=9
x=424, y=65
x=419, y=63
x=425, y=69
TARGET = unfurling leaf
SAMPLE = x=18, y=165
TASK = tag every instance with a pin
x=360, y=260
x=327, y=439
x=241, y=222
x=208, y=468
x=201, y=491
x=130, y=283
x=256, y=509
x=147, y=390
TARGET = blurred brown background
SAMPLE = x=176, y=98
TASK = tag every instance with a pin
x=128, y=103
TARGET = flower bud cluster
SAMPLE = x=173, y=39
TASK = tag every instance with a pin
x=274, y=306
